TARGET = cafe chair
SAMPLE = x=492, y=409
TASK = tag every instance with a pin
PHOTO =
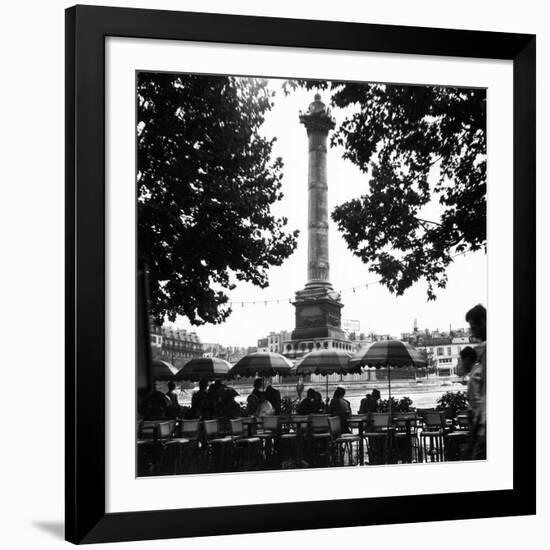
x=218, y=448
x=432, y=436
x=342, y=444
x=292, y=440
x=148, y=447
x=270, y=432
x=319, y=436
x=407, y=444
x=377, y=436
x=245, y=445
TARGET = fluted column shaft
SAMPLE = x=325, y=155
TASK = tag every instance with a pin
x=318, y=271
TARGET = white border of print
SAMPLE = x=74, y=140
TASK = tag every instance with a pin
x=124, y=491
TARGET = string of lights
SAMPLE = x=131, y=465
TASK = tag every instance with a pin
x=288, y=300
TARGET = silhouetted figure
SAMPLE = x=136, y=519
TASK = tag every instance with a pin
x=253, y=400
x=340, y=407
x=477, y=318
x=199, y=401
x=274, y=397
x=312, y=403
x=173, y=397
x=158, y=406
x=230, y=407
x=369, y=403
x=264, y=408
x=215, y=393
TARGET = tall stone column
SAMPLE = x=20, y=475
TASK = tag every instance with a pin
x=318, y=122
x=318, y=307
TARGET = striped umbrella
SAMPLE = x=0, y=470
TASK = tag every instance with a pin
x=325, y=362
x=203, y=368
x=262, y=364
x=388, y=353
x=163, y=371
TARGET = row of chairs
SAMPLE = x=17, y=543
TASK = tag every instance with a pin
x=425, y=435
x=242, y=443
x=193, y=445
x=278, y=439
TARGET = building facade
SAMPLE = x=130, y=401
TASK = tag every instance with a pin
x=229, y=353
x=274, y=342
x=442, y=349
x=176, y=346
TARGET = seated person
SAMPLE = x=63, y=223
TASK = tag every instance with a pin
x=340, y=407
x=274, y=397
x=307, y=405
x=230, y=407
x=157, y=407
x=253, y=400
x=199, y=401
x=369, y=403
x=174, y=408
x=264, y=408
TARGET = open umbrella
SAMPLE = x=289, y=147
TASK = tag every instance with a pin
x=203, y=368
x=262, y=364
x=325, y=362
x=388, y=353
x=163, y=371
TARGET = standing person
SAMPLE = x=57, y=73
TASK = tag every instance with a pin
x=199, y=401
x=253, y=400
x=468, y=358
x=477, y=319
x=273, y=395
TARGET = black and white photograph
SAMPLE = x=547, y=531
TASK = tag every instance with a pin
x=256, y=255
x=312, y=274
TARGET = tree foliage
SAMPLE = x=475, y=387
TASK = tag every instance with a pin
x=417, y=145
x=206, y=184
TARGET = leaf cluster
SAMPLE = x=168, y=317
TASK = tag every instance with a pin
x=206, y=182
x=416, y=145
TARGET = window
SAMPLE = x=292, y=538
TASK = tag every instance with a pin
x=439, y=351
x=449, y=351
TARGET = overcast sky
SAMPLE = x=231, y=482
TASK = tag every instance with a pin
x=376, y=308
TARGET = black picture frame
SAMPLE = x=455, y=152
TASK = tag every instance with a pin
x=86, y=30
